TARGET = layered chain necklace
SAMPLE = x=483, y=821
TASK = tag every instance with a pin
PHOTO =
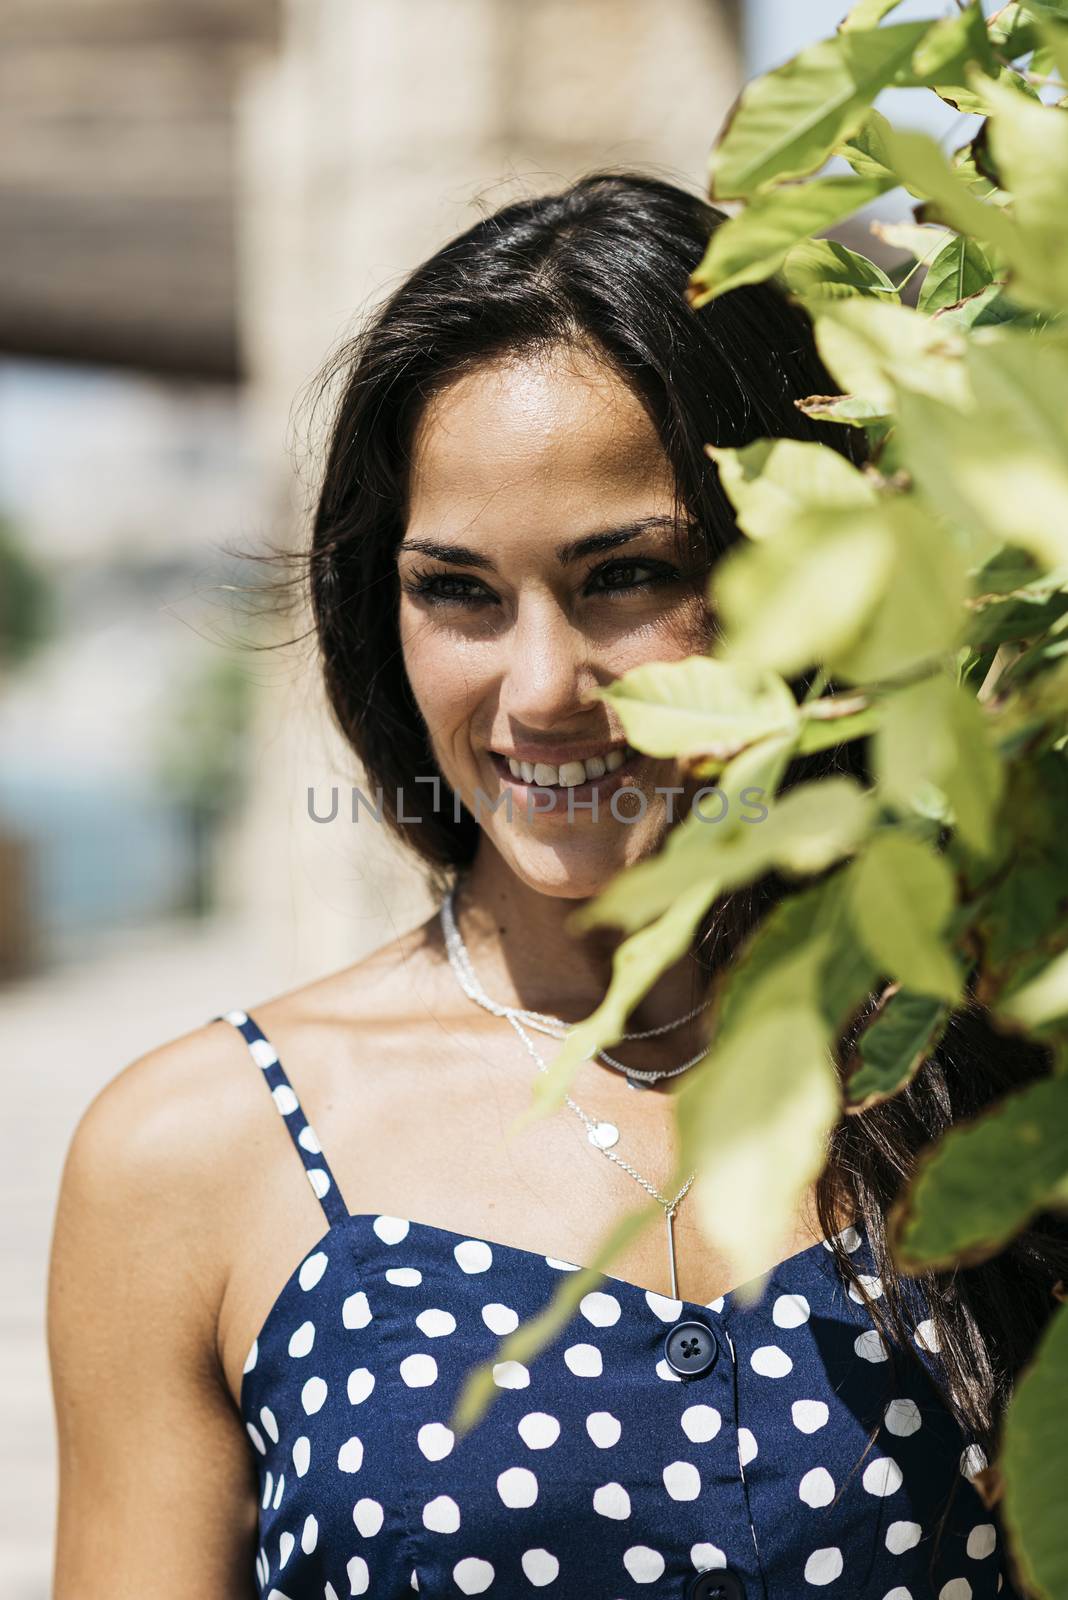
x=603, y=1135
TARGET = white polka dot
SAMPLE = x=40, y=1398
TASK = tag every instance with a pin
x=747, y=1447
x=441, y=1515
x=391, y=1230
x=313, y=1396
x=707, y=1557
x=956, y=1589
x=538, y=1430
x=716, y=1304
x=404, y=1277
x=368, y=1516
x=510, y=1375
x=600, y=1309
x=263, y=1053
x=285, y=1099
x=435, y=1440
x=662, y=1306
x=319, y=1180
x=330, y=1592
x=286, y=1546
x=257, y=1437
x=238, y=1018
x=473, y=1255
x=982, y=1540
x=472, y=1575
x=902, y=1417
x=604, y=1429
x=583, y=1360
x=267, y=1488
x=360, y=1384
x=359, y=1575
x=816, y=1487
x=849, y=1239
x=644, y=1564
x=312, y=1270
x=973, y=1460
x=902, y=1536
x=770, y=1361
x=270, y=1425
x=308, y=1140
x=309, y=1535
x=682, y=1480
x=435, y=1324
x=517, y=1487
x=355, y=1312
x=612, y=1500
x=539, y=1566
x=350, y=1456
x=809, y=1415
x=790, y=1311
x=669, y=1375
x=701, y=1423
x=500, y=1319
x=560, y=1265
x=871, y=1284
x=302, y=1455
x=870, y=1347
x=302, y=1339
x=926, y=1337
x=252, y=1357
x=882, y=1477
x=823, y=1566
x=899, y=1593
x=419, y=1371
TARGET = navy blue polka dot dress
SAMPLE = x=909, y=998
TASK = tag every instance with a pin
x=657, y=1447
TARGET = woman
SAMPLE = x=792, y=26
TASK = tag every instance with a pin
x=516, y=509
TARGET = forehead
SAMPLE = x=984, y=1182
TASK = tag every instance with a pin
x=560, y=422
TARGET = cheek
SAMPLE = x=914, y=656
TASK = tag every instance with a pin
x=442, y=674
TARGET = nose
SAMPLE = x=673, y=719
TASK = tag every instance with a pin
x=548, y=670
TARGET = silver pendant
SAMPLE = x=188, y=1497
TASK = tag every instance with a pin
x=604, y=1135
x=636, y=1083
x=671, y=1253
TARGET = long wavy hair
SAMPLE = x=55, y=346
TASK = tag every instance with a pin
x=605, y=263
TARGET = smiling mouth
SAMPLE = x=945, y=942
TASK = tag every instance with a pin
x=569, y=774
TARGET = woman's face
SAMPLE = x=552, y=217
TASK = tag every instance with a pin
x=541, y=559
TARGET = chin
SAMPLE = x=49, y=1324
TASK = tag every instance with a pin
x=577, y=870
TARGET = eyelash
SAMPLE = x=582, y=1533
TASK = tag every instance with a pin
x=433, y=586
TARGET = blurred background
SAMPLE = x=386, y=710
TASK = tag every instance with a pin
x=198, y=200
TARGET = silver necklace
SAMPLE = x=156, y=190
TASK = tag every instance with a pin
x=602, y=1135
x=555, y=1027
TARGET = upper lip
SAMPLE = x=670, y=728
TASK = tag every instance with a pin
x=556, y=755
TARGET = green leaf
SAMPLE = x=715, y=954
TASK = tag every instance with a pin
x=1023, y=612
x=849, y=409
x=820, y=732
x=989, y=308
x=902, y=895
x=772, y=481
x=921, y=242
x=804, y=595
x=1044, y=999
x=1034, y=1465
x=869, y=347
x=959, y=269
x=933, y=734
x=921, y=166
x=825, y=269
x=786, y=123
x=984, y=1180
x=894, y=1047
x=953, y=44
x=867, y=14
x=753, y=245
x=754, y=1119
x=1055, y=47
x=866, y=149
x=698, y=706
x=1029, y=144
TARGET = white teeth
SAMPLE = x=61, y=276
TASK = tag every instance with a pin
x=571, y=773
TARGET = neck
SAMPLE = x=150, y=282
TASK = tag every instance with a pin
x=526, y=955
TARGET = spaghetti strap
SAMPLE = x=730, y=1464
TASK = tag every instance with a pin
x=303, y=1135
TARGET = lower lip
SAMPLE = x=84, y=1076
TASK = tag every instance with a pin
x=603, y=787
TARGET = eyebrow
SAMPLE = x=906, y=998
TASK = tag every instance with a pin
x=591, y=544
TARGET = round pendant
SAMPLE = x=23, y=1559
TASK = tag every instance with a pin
x=604, y=1135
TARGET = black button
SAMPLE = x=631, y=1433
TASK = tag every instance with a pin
x=691, y=1349
x=720, y=1585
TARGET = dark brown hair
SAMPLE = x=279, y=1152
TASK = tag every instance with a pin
x=605, y=263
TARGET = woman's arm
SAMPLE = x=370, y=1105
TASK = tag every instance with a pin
x=157, y=1494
